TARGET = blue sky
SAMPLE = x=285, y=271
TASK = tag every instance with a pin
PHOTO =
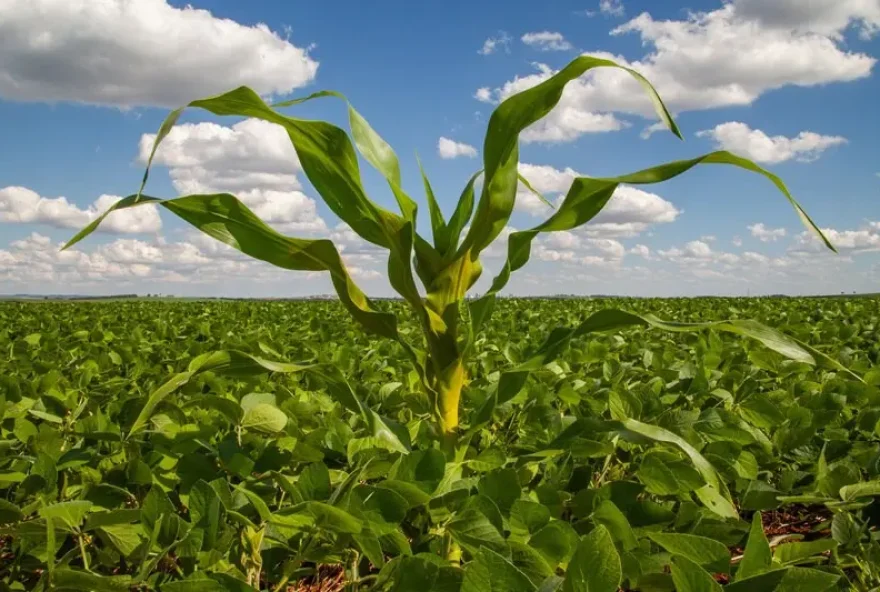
x=789, y=84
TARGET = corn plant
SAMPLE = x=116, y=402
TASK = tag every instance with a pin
x=447, y=266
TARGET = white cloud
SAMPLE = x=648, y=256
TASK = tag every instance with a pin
x=205, y=157
x=629, y=212
x=652, y=129
x=766, y=234
x=737, y=241
x=611, y=7
x=447, y=149
x=144, y=53
x=753, y=257
x=37, y=259
x=808, y=268
x=546, y=41
x=722, y=58
x=484, y=95
x=861, y=240
x=37, y=264
x=697, y=253
x=642, y=251
x=572, y=249
x=252, y=159
x=825, y=17
x=562, y=240
x=755, y=144
x=492, y=44
x=25, y=206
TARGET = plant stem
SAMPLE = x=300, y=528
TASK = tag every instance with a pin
x=82, y=550
x=451, y=550
x=294, y=565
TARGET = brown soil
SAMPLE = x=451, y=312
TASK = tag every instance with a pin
x=330, y=578
x=796, y=519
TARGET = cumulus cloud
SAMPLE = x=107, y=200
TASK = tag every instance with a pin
x=642, y=251
x=36, y=263
x=826, y=17
x=493, y=44
x=484, y=95
x=547, y=41
x=755, y=144
x=25, y=206
x=612, y=7
x=448, y=149
x=629, y=212
x=721, y=58
x=145, y=53
x=766, y=234
x=37, y=259
x=697, y=253
x=856, y=241
x=572, y=249
x=252, y=159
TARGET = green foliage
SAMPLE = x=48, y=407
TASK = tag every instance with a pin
x=602, y=453
x=176, y=447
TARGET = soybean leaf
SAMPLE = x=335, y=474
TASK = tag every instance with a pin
x=757, y=557
x=595, y=566
x=690, y=577
x=703, y=551
x=71, y=514
x=491, y=572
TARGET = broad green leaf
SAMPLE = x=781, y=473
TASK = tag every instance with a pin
x=556, y=541
x=528, y=517
x=705, y=552
x=416, y=574
x=610, y=516
x=264, y=418
x=314, y=482
x=690, y=577
x=792, y=553
x=223, y=217
x=491, y=572
x=500, y=151
x=502, y=487
x=757, y=557
x=438, y=223
x=257, y=502
x=662, y=479
x=585, y=199
x=792, y=579
x=853, y=492
x=125, y=537
x=529, y=561
x=595, y=566
x=9, y=512
x=70, y=514
x=214, y=582
x=844, y=529
x=710, y=494
x=78, y=581
x=156, y=397
x=325, y=516
x=369, y=545
x=473, y=530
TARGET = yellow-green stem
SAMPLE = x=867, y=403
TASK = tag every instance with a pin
x=449, y=388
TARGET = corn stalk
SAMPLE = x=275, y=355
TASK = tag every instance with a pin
x=448, y=266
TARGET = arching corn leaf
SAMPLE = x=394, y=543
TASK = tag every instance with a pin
x=225, y=218
x=588, y=196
